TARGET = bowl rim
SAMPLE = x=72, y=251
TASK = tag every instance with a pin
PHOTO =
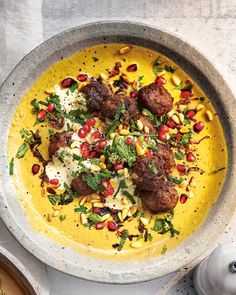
x=102, y=271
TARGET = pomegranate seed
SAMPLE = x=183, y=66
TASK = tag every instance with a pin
x=118, y=166
x=96, y=135
x=54, y=181
x=67, y=82
x=96, y=210
x=148, y=152
x=186, y=93
x=190, y=114
x=183, y=198
x=164, y=128
x=82, y=133
x=111, y=226
x=50, y=107
x=92, y=154
x=146, y=138
x=100, y=225
x=84, y=146
x=85, y=154
x=181, y=168
x=86, y=128
x=82, y=77
x=170, y=123
x=106, y=182
x=197, y=127
x=41, y=115
x=95, y=113
x=35, y=168
x=109, y=191
x=160, y=80
x=129, y=140
x=90, y=121
x=191, y=157
x=102, y=143
x=50, y=190
x=132, y=68
x=133, y=93
x=97, y=148
x=178, y=136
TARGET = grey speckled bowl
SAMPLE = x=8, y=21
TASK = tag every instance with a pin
x=200, y=70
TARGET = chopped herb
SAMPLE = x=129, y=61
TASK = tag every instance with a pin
x=164, y=225
x=94, y=180
x=62, y=217
x=124, y=236
x=170, y=69
x=179, y=155
x=183, y=86
x=164, y=249
x=95, y=59
x=149, y=237
x=53, y=199
x=129, y=196
x=50, y=132
x=152, y=168
x=187, y=121
x=94, y=161
x=61, y=156
x=27, y=135
x=132, y=125
x=22, y=151
x=157, y=66
x=95, y=218
x=73, y=87
x=11, y=167
x=174, y=180
x=82, y=209
x=35, y=105
x=69, y=191
x=148, y=114
x=122, y=185
x=202, y=98
x=115, y=123
x=140, y=78
x=185, y=139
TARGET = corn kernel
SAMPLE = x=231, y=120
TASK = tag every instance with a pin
x=55, y=213
x=120, y=217
x=191, y=194
x=83, y=218
x=105, y=217
x=102, y=159
x=144, y=220
x=175, y=118
x=76, y=127
x=125, y=49
x=113, y=135
x=140, y=151
x=98, y=205
x=192, y=182
x=139, y=124
x=74, y=144
x=126, y=173
x=136, y=244
x=200, y=107
x=95, y=168
x=124, y=201
x=209, y=115
x=102, y=165
x=82, y=201
x=183, y=183
x=146, y=129
x=98, y=123
x=175, y=80
x=124, y=132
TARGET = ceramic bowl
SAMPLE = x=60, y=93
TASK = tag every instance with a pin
x=199, y=69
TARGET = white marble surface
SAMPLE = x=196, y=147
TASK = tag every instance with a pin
x=210, y=25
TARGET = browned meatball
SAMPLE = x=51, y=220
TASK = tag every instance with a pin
x=149, y=124
x=80, y=186
x=156, y=98
x=147, y=170
x=167, y=155
x=96, y=93
x=162, y=198
x=58, y=140
x=110, y=106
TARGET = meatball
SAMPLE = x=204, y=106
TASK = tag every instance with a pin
x=110, y=106
x=58, y=140
x=96, y=93
x=162, y=198
x=156, y=98
x=149, y=124
x=147, y=170
x=167, y=155
x=80, y=186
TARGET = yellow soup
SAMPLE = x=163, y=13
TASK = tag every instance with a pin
x=202, y=187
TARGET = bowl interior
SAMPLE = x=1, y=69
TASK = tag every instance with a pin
x=198, y=68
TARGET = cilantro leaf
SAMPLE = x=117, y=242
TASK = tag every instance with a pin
x=152, y=168
x=53, y=199
x=115, y=123
x=174, y=180
x=82, y=209
x=157, y=66
x=124, y=236
x=185, y=139
x=179, y=155
x=22, y=151
x=170, y=69
x=122, y=185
